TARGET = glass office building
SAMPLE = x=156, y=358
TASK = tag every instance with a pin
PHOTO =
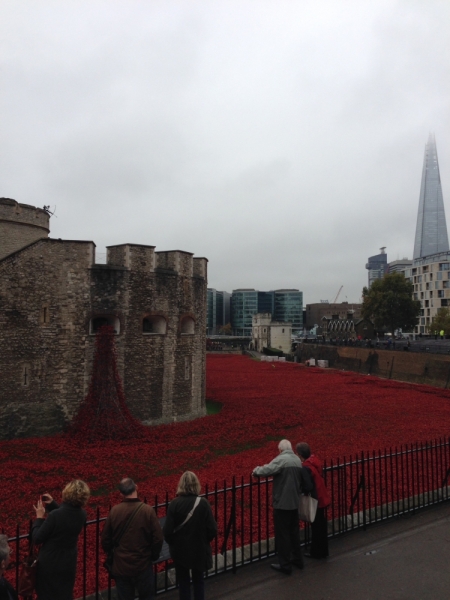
x=431, y=230
x=377, y=266
x=283, y=305
x=244, y=304
x=288, y=308
x=266, y=302
x=218, y=306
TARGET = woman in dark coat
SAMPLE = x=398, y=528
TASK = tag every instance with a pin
x=319, y=527
x=58, y=534
x=189, y=529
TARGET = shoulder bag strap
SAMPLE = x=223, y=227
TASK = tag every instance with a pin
x=128, y=523
x=190, y=513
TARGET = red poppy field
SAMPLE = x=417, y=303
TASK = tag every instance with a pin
x=338, y=413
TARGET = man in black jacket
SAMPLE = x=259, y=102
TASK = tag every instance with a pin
x=6, y=589
x=133, y=532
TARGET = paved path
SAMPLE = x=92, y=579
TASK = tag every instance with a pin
x=404, y=559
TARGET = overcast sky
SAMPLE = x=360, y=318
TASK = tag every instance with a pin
x=282, y=140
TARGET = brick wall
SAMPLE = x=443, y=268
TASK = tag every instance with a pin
x=415, y=367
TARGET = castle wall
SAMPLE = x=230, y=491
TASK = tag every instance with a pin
x=50, y=294
x=43, y=302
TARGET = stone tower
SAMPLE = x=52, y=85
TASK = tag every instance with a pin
x=20, y=225
x=431, y=230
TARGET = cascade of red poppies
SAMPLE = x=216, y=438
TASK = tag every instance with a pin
x=103, y=414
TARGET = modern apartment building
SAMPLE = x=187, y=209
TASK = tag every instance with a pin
x=430, y=277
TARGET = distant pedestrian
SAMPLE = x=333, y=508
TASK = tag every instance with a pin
x=132, y=531
x=319, y=527
x=442, y=334
x=286, y=469
x=189, y=529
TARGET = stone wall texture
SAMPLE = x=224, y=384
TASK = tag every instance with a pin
x=414, y=367
x=51, y=292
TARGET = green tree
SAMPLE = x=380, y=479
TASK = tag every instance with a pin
x=441, y=321
x=226, y=329
x=389, y=303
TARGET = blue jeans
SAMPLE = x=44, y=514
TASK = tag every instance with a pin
x=184, y=580
x=143, y=583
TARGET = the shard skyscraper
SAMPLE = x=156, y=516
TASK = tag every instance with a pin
x=431, y=229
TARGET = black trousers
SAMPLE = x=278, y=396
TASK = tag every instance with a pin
x=287, y=538
x=319, y=535
x=184, y=583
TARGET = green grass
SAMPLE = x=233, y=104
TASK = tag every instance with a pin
x=212, y=408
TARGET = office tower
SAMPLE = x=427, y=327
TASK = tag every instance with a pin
x=377, y=266
x=431, y=229
x=289, y=308
x=244, y=304
x=284, y=306
x=218, y=303
x=399, y=266
x=430, y=270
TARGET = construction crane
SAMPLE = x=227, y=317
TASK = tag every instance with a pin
x=337, y=295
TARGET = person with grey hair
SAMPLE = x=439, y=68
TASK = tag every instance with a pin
x=288, y=482
x=189, y=529
x=133, y=534
x=7, y=591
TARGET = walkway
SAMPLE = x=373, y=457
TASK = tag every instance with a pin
x=404, y=559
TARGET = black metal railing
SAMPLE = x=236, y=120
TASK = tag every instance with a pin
x=365, y=488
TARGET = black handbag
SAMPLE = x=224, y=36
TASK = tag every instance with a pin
x=108, y=563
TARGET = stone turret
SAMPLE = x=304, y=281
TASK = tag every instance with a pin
x=20, y=225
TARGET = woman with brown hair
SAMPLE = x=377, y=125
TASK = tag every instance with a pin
x=58, y=534
x=189, y=529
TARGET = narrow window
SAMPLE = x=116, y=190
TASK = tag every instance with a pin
x=187, y=326
x=44, y=317
x=187, y=370
x=25, y=378
x=154, y=324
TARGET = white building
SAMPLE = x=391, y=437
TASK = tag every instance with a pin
x=270, y=334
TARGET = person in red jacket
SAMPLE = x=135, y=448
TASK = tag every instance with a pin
x=319, y=527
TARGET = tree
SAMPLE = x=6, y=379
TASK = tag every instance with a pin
x=441, y=321
x=389, y=303
x=226, y=329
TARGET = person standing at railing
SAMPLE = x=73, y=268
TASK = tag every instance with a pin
x=189, y=529
x=7, y=591
x=58, y=534
x=288, y=482
x=319, y=527
x=133, y=535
